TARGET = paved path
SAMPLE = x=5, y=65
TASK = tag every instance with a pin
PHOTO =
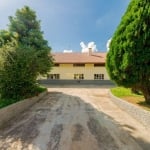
x=75, y=119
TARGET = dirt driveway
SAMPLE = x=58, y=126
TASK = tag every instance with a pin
x=75, y=119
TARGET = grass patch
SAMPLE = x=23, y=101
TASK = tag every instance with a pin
x=126, y=94
x=41, y=89
x=37, y=91
x=6, y=102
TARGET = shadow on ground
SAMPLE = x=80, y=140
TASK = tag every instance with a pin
x=20, y=132
x=92, y=86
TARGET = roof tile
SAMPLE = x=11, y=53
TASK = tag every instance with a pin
x=66, y=58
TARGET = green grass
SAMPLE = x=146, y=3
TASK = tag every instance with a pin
x=127, y=95
x=41, y=89
x=122, y=92
x=6, y=102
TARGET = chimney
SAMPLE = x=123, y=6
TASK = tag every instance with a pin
x=89, y=51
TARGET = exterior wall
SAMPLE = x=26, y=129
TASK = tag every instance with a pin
x=67, y=71
x=62, y=83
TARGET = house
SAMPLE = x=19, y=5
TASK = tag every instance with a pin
x=79, y=67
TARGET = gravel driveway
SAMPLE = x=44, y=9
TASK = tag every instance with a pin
x=77, y=118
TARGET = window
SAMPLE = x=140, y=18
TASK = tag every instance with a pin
x=98, y=76
x=56, y=65
x=79, y=65
x=99, y=65
x=53, y=76
x=78, y=76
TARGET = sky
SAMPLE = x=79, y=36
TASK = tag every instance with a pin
x=70, y=24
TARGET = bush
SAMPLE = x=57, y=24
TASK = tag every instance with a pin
x=24, y=55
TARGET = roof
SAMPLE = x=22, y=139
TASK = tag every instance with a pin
x=66, y=58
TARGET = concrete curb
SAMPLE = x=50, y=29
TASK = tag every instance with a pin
x=136, y=112
x=11, y=111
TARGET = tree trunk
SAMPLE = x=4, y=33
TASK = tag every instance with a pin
x=146, y=93
x=134, y=90
x=147, y=98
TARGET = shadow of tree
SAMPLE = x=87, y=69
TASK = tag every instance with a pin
x=144, y=104
x=21, y=132
x=81, y=85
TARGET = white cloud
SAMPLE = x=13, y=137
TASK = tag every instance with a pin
x=107, y=44
x=85, y=48
x=67, y=51
x=82, y=45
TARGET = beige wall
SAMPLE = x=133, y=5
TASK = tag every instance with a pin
x=67, y=71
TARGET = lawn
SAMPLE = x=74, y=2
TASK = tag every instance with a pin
x=126, y=94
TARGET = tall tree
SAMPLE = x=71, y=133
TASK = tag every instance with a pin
x=27, y=55
x=7, y=37
x=26, y=25
x=128, y=60
x=7, y=41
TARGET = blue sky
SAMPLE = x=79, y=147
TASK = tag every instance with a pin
x=66, y=23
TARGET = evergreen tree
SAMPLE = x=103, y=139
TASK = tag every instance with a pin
x=128, y=60
x=26, y=25
x=7, y=37
x=27, y=55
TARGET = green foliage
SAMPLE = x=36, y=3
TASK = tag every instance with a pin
x=27, y=27
x=123, y=92
x=7, y=38
x=128, y=61
x=17, y=79
x=5, y=102
x=24, y=55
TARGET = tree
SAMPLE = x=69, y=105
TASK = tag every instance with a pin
x=128, y=60
x=26, y=25
x=7, y=37
x=7, y=41
x=27, y=55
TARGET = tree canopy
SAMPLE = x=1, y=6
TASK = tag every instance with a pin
x=27, y=54
x=128, y=60
x=26, y=25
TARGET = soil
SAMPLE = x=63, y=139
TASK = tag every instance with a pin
x=75, y=118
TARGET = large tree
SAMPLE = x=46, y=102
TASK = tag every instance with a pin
x=27, y=55
x=128, y=60
x=26, y=25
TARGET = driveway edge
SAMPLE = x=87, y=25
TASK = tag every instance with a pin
x=136, y=112
x=9, y=112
